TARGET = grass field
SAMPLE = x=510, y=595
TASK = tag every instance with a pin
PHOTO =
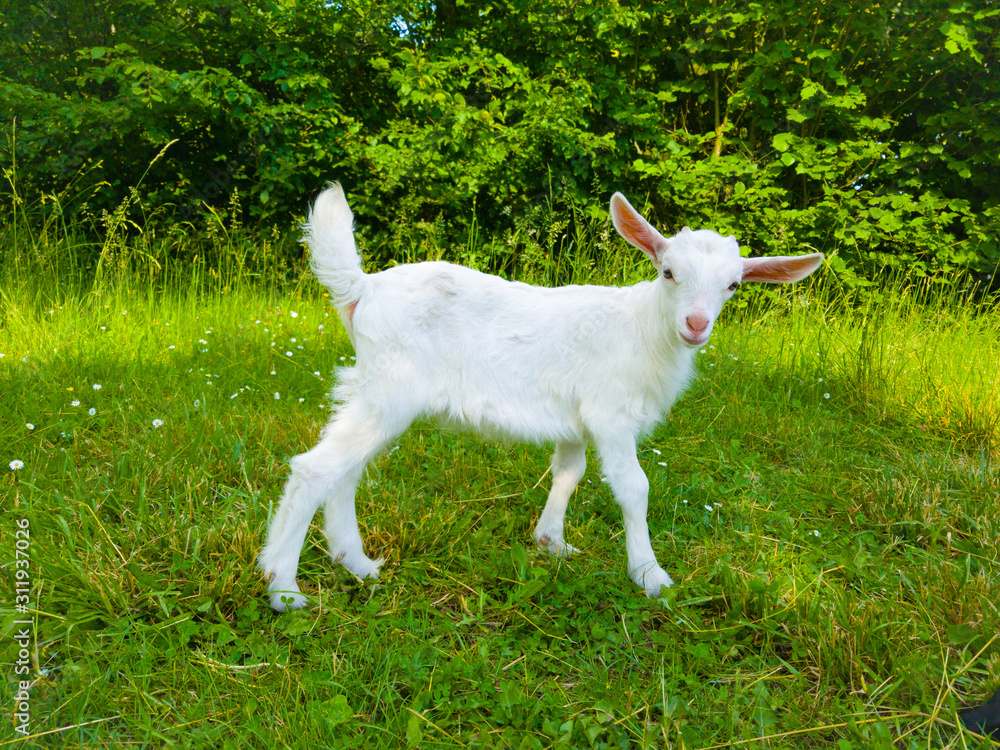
x=826, y=497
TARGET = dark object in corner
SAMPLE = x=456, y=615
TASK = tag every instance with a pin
x=984, y=719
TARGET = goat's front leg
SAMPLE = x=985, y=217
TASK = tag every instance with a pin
x=568, y=465
x=631, y=490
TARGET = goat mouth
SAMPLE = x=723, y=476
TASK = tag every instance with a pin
x=693, y=342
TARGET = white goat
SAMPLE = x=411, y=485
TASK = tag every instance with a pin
x=570, y=366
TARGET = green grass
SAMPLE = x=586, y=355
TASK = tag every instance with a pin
x=825, y=497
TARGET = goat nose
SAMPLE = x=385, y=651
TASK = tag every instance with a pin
x=696, y=323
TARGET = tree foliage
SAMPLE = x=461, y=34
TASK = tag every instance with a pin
x=869, y=130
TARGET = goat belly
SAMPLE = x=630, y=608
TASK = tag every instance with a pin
x=492, y=395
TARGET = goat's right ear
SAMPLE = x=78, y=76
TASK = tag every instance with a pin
x=636, y=230
x=781, y=270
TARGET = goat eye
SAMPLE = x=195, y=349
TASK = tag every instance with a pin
x=667, y=273
x=732, y=287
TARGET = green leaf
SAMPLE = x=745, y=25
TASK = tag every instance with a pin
x=337, y=710
x=957, y=40
x=782, y=141
x=414, y=730
x=809, y=89
x=299, y=623
x=961, y=634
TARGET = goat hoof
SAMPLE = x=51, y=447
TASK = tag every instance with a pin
x=653, y=580
x=555, y=547
x=360, y=565
x=290, y=598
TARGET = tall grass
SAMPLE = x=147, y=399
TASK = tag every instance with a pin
x=825, y=496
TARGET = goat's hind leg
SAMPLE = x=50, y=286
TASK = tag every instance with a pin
x=279, y=560
x=568, y=465
x=364, y=435
x=328, y=473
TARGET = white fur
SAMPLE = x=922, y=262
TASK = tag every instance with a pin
x=572, y=366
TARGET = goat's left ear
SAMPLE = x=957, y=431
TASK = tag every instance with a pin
x=636, y=230
x=781, y=270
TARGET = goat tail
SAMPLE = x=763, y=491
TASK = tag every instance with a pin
x=329, y=232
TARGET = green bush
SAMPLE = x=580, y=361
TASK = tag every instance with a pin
x=868, y=131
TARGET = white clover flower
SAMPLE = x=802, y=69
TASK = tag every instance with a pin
x=16, y=465
x=157, y=422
